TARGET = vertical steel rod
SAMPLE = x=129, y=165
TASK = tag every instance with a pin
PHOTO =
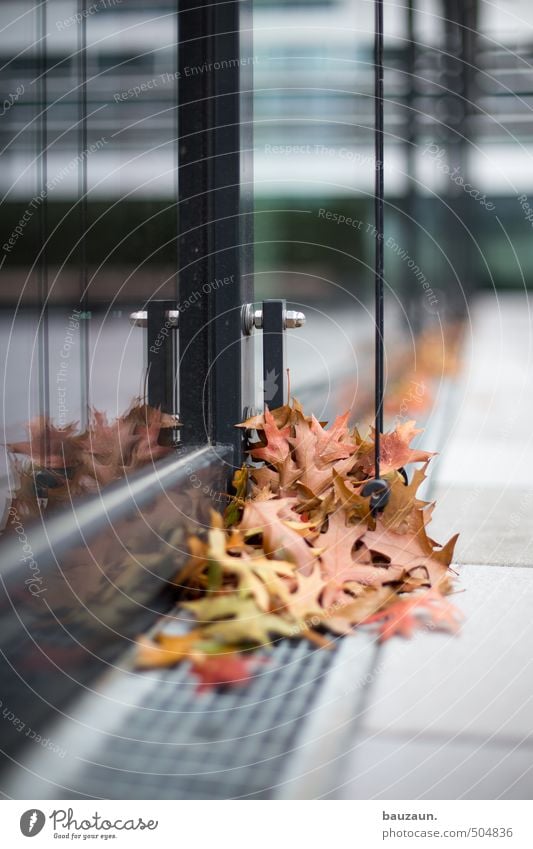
x=82, y=186
x=378, y=213
x=412, y=305
x=42, y=158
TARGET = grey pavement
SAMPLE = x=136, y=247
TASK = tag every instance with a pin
x=452, y=716
x=446, y=716
x=484, y=483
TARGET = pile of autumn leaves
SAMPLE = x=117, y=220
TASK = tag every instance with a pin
x=299, y=555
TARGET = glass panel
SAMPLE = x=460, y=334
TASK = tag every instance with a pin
x=314, y=185
x=22, y=219
x=88, y=136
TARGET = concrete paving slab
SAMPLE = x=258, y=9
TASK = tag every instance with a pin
x=390, y=767
x=489, y=440
x=481, y=479
x=477, y=461
x=479, y=682
x=495, y=523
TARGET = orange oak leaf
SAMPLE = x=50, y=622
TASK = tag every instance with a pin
x=341, y=617
x=264, y=478
x=343, y=562
x=428, y=610
x=277, y=448
x=273, y=520
x=412, y=550
x=395, y=450
x=282, y=417
x=304, y=601
x=278, y=539
x=166, y=649
x=348, y=494
x=329, y=443
x=315, y=473
x=398, y=514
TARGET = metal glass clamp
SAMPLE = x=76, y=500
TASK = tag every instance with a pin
x=160, y=318
x=140, y=318
x=252, y=318
x=273, y=319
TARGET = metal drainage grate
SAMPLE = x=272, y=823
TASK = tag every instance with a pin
x=181, y=744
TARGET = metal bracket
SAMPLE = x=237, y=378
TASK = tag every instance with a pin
x=252, y=318
x=160, y=318
x=273, y=319
x=140, y=318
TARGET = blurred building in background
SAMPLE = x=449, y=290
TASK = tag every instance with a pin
x=313, y=124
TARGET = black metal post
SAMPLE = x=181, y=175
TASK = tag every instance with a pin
x=214, y=220
x=274, y=348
